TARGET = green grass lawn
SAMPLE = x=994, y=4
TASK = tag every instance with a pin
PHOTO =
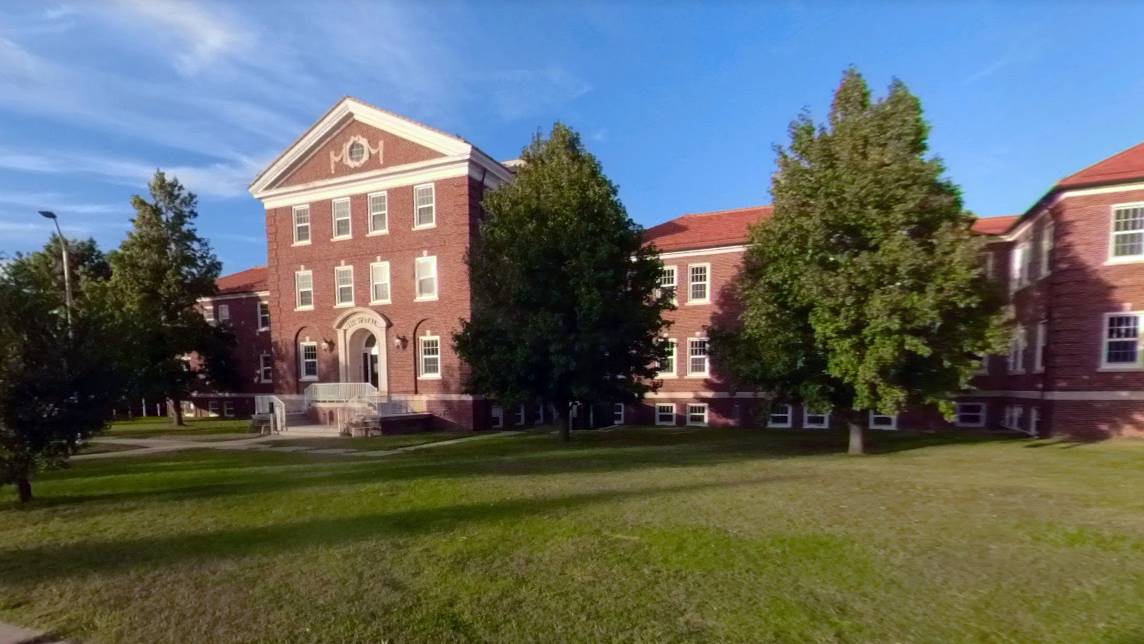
x=368, y=444
x=195, y=429
x=636, y=535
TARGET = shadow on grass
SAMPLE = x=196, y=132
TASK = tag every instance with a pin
x=195, y=475
x=30, y=566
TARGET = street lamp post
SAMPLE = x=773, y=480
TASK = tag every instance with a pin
x=47, y=214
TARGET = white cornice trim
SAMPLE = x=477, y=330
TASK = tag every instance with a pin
x=1058, y=395
x=235, y=296
x=717, y=250
x=406, y=175
x=687, y=395
x=1069, y=194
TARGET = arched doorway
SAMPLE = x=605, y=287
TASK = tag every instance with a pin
x=362, y=347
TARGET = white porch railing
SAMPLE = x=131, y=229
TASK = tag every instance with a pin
x=338, y=391
x=375, y=407
x=278, y=407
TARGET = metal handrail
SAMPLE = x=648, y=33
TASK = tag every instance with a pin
x=338, y=391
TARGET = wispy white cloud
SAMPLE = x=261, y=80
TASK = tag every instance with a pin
x=205, y=34
x=1026, y=52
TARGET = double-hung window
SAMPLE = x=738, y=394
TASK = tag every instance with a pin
x=1046, y=248
x=618, y=414
x=1121, y=349
x=302, y=224
x=883, y=421
x=969, y=414
x=341, y=216
x=344, y=286
x=424, y=206
x=780, y=416
x=1017, y=345
x=1014, y=417
x=1127, y=232
x=518, y=415
x=697, y=414
x=699, y=283
x=265, y=367
x=1019, y=266
x=308, y=360
x=665, y=413
x=263, y=315
x=697, y=357
x=1042, y=342
x=304, y=290
x=812, y=419
x=430, y=357
x=378, y=213
x=379, y=283
x=667, y=281
x=667, y=367
x=223, y=312
x=425, y=276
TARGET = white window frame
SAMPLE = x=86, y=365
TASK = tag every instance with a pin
x=208, y=312
x=228, y=409
x=694, y=409
x=1019, y=266
x=425, y=260
x=691, y=342
x=963, y=408
x=422, y=372
x=673, y=270
x=518, y=415
x=1015, y=360
x=212, y=408
x=1112, y=235
x=660, y=410
x=673, y=344
x=497, y=414
x=1042, y=343
x=371, y=213
x=1034, y=428
x=222, y=312
x=308, y=225
x=298, y=290
x=432, y=206
x=334, y=219
x=539, y=420
x=782, y=411
x=807, y=412
x=1014, y=415
x=263, y=320
x=1105, y=365
x=706, y=299
x=618, y=413
x=339, y=271
x=873, y=414
x=302, y=361
x=265, y=366
x=1046, y=249
x=374, y=283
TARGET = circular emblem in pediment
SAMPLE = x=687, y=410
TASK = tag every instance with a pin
x=356, y=151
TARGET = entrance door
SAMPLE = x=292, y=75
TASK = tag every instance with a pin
x=369, y=361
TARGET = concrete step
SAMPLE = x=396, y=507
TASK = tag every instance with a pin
x=310, y=430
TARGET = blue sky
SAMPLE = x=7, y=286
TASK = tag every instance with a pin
x=682, y=102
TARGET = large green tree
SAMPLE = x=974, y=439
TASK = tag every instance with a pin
x=865, y=290
x=565, y=307
x=58, y=383
x=159, y=273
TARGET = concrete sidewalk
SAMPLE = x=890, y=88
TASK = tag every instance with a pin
x=10, y=634
x=257, y=443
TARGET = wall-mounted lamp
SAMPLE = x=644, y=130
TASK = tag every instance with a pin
x=328, y=345
x=400, y=341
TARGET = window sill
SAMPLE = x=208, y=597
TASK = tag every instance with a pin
x=302, y=243
x=379, y=302
x=304, y=308
x=308, y=379
x=666, y=376
x=377, y=233
x=697, y=376
x=1114, y=261
x=263, y=329
x=433, y=377
x=787, y=426
x=344, y=305
x=425, y=299
x=1114, y=368
x=341, y=238
x=698, y=302
x=425, y=226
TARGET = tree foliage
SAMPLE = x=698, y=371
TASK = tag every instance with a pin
x=58, y=386
x=159, y=273
x=564, y=292
x=865, y=290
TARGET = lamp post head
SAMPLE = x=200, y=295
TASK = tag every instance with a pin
x=47, y=214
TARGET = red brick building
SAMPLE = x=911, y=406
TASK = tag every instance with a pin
x=369, y=215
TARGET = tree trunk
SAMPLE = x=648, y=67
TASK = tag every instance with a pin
x=24, y=488
x=856, y=437
x=175, y=412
